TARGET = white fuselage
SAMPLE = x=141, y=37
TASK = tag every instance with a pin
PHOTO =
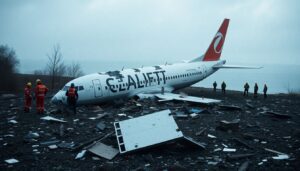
x=114, y=85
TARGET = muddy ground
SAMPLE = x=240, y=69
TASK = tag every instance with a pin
x=257, y=130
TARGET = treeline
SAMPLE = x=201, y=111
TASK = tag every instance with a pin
x=55, y=73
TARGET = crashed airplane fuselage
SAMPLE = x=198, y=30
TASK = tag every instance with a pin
x=146, y=81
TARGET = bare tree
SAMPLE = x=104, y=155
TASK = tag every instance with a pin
x=55, y=66
x=74, y=70
x=8, y=68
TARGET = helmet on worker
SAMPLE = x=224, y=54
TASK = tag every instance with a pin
x=38, y=81
x=28, y=84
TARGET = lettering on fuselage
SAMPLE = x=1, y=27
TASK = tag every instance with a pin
x=136, y=81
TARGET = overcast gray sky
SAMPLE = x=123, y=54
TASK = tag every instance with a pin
x=109, y=34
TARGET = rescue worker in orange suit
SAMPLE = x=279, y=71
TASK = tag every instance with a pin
x=40, y=93
x=27, y=97
x=72, y=97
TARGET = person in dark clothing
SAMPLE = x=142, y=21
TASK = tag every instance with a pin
x=255, y=90
x=215, y=86
x=72, y=97
x=265, y=91
x=246, y=89
x=223, y=86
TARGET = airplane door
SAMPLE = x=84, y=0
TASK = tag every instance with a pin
x=97, y=88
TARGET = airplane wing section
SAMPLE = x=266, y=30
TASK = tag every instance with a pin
x=172, y=96
x=236, y=67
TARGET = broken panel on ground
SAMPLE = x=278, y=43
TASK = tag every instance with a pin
x=145, y=131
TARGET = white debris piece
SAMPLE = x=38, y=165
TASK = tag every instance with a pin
x=145, y=131
x=211, y=136
x=80, y=155
x=193, y=115
x=12, y=121
x=217, y=149
x=184, y=97
x=121, y=114
x=50, y=118
x=281, y=157
x=224, y=145
x=11, y=161
x=229, y=149
x=52, y=146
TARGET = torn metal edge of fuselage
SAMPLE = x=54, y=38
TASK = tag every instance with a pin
x=177, y=134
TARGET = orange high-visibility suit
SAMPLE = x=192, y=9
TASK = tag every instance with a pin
x=27, y=98
x=40, y=93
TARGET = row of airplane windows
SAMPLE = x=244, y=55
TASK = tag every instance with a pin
x=160, y=79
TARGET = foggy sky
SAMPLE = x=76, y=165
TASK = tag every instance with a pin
x=108, y=34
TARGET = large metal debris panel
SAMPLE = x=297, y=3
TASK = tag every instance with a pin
x=172, y=96
x=144, y=131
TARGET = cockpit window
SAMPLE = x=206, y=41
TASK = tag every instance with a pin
x=80, y=88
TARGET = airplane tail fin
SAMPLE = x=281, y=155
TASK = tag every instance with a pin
x=213, y=53
x=214, y=50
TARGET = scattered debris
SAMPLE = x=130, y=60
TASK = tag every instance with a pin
x=211, y=136
x=99, y=116
x=274, y=151
x=50, y=142
x=11, y=161
x=80, y=155
x=180, y=115
x=66, y=145
x=12, y=121
x=229, y=149
x=249, y=105
x=172, y=96
x=31, y=137
x=200, y=132
x=244, y=166
x=50, y=118
x=229, y=125
x=122, y=114
x=101, y=126
x=96, y=109
x=194, y=115
x=198, y=110
x=104, y=151
x=281, y=157
x=52, y=146
x=278, y=115
x=230, y=107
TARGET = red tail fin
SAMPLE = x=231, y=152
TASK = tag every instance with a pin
x=214, y=50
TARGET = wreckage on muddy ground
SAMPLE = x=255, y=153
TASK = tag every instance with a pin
x=237, y=133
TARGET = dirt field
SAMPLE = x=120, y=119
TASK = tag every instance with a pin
x=256, y=131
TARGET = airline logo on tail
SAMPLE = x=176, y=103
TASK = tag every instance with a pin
x=214, y=50
x=218, y=44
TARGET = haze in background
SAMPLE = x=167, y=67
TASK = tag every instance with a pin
x=108, y=35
